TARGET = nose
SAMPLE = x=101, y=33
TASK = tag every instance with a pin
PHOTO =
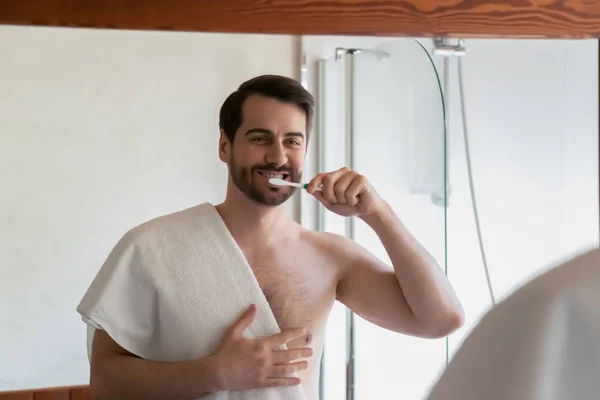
x=276, y=155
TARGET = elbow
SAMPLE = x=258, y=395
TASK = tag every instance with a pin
x=452, y=321
x=97, y=390
x=99, y=385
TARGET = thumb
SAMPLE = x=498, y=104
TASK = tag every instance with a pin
x=239, y=326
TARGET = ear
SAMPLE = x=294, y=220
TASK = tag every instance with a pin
x=224, y=147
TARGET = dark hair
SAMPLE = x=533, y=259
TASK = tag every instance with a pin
x=277, y=87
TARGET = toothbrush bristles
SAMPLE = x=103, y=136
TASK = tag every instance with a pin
x=281, y=182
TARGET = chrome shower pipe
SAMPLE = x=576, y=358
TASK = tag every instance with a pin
x=350, y=227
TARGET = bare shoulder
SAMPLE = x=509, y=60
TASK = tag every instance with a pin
x=339, y=249
x=327, y=240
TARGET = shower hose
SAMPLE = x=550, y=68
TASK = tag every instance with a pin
x=471, y=187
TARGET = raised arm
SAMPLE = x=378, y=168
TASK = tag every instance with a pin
x=413, y=295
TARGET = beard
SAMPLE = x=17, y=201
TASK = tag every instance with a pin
x=243, y=178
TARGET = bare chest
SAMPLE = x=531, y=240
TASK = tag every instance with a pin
x=298, y=286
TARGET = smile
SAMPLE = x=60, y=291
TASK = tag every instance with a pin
x=278, y=175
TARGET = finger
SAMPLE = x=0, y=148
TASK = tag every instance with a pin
x=342, y=185
x=319, y=196
x=238, y=328
x=284, y=356
x=276, y=382
x=283, y=370
x=315, y=183
x=357, y=187
x=328, y=186
x=279, y=339
x=318, y=179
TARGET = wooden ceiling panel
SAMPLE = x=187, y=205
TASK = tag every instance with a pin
x=455, y=18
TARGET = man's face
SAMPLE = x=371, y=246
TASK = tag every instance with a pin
x=271, y=142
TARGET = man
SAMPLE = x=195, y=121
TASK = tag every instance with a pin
x=264, y=134
x=540, y=343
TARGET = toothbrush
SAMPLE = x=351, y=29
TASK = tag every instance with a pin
x=281, y=182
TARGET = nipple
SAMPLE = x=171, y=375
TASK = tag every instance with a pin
x=308, y=338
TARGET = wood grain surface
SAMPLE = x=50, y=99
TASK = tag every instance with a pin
x=455, y=18
x=56, y=393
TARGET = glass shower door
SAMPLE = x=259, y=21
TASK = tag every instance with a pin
x=381, y=112
x=396, y=127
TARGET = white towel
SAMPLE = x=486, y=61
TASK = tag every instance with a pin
x=172, y=286
x=541, y=343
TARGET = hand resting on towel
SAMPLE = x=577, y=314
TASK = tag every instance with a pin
x=255, y=363
x=238, y=364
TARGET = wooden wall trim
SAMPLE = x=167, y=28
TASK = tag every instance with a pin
x=424, y=18
x=82, y=392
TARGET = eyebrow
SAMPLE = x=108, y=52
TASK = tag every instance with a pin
x=271, y=133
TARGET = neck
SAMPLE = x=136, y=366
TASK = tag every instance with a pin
x=250, y=222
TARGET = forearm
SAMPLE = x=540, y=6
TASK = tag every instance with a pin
x=120, y=377
x=424, y=285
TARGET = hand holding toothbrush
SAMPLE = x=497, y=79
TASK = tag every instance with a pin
x=346, y=193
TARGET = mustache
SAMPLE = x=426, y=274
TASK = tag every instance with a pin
x=274, y=168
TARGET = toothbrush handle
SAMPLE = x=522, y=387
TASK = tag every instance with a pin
x=319, y=189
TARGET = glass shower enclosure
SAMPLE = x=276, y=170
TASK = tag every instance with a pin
x=382, y=114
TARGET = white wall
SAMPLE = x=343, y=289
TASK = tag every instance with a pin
x=100, y=131
x=532, y=113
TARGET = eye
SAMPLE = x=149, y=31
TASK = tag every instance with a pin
x=294, y=142
x=259, y=138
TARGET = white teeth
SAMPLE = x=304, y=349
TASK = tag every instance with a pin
x=278, y=176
